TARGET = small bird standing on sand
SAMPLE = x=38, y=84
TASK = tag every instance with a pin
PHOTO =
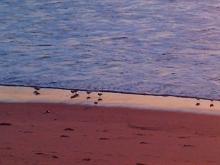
x=197, y=104
x=36, y=92
x=74, y=96
x=73, y=91
x=37, y=88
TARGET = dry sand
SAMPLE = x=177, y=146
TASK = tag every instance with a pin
x=61, y=134
x=40, y=126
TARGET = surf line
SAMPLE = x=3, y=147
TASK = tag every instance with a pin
x=21, y=94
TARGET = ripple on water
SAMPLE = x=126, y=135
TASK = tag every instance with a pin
x=131, y=46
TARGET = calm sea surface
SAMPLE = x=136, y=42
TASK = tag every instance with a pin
x=145, y=46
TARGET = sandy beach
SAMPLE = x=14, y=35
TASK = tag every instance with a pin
x=52, y=126
x=69, y=134
x=92, y=82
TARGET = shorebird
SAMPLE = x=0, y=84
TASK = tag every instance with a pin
x=36, y=92
x=74, y=96
x=73, y=91
x=100, y=94
x=37, y=88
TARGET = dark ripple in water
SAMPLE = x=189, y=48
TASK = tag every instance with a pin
x=147, y=46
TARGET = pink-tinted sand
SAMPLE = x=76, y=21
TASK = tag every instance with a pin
x=59, y=134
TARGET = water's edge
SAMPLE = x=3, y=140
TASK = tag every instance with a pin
x=111, y=91
x=14, y=94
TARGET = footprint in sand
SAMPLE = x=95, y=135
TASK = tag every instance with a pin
x=95, y=102
x=143, y=128
x=5, y=124
x=143, y=143
x=43, y=154
x=211, y=105
x=64, y=136
x=100, y=99
x=88, y=98
x=86, y=159
x=46, y=112
x=140, y=134
x=40, y=153
x=100, y=94
x=188, y=145
x=54, y=156
x=103, y=138
x=184, y=137
x=68, y=129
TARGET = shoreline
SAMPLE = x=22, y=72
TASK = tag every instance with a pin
x=53, y=126
x=13, y=94
x=107, y=91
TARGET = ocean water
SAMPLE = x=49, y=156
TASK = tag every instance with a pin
x=144, y=46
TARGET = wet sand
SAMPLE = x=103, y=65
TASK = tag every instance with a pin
x=41, y=133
